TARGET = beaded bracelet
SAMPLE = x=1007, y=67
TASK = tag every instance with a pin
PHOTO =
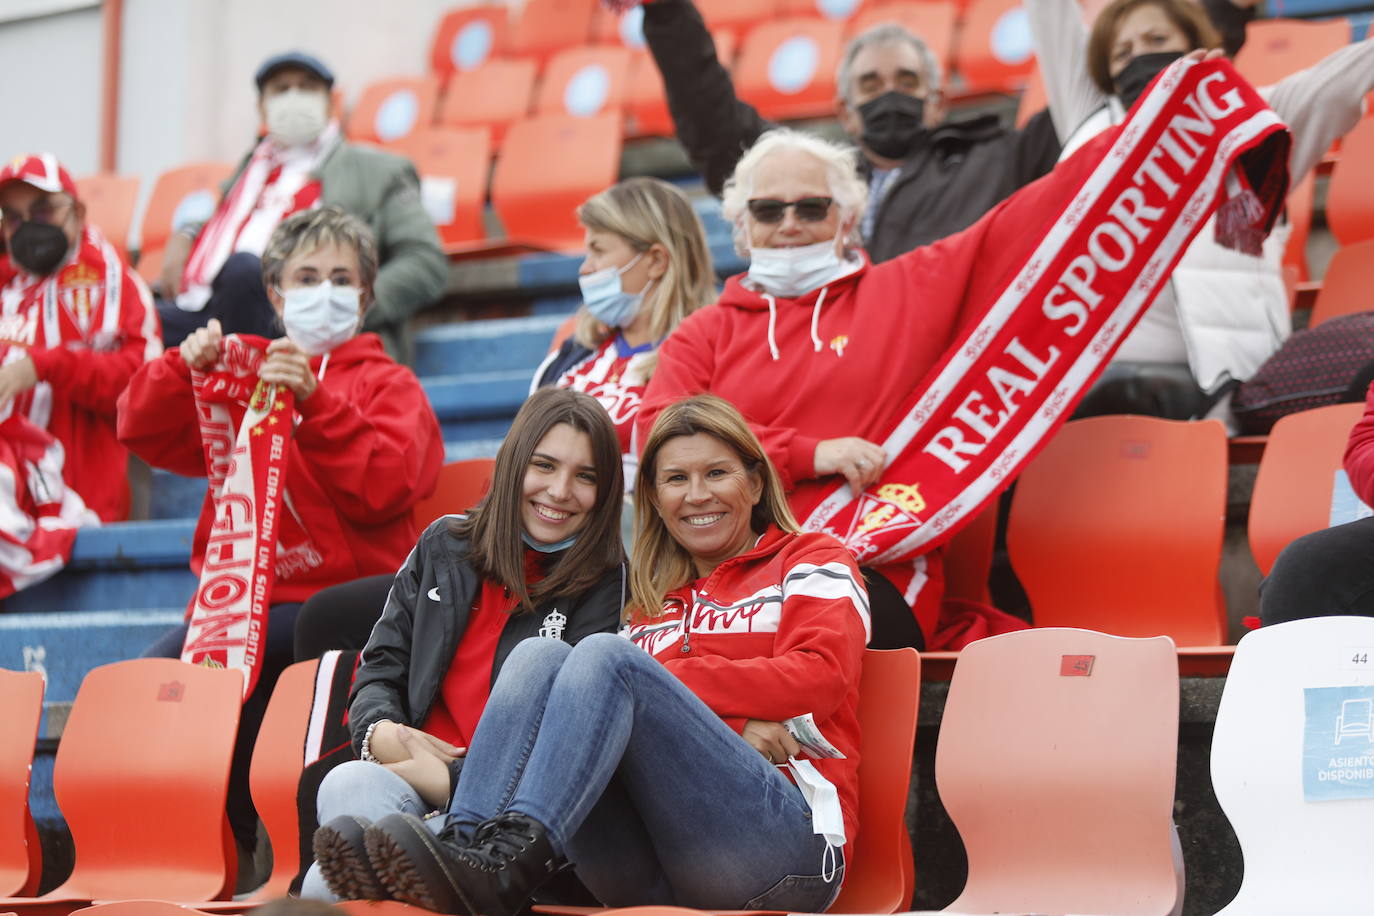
x=367, y=743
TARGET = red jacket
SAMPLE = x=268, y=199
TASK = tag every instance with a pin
x=878, y=332
x=366, y=449
x=1359, y=453
x=85, y=348
x=776, y=632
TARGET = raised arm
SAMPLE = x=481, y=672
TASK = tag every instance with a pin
x=156, y=417
x=1322, y=103
x=1060, y=39
x=711, y=122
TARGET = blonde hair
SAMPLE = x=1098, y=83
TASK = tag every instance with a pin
x=841, y=172
x=645, y=211
x=660, y=564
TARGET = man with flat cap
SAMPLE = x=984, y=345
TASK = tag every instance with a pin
x=214, y=270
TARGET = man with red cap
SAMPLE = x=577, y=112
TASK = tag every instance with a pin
x=75, y=324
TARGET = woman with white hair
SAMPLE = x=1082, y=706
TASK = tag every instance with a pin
x=818, y=347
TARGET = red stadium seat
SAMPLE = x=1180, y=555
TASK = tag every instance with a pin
x=462, y=484
x=737, y=16
x=645, y=101
x=495, y=95
x=837, y=10
x=1300, y=203
x=545, y=27
x=536, y=193
x=393, y=109
x=1350, y=195
x=453, y=164
x=143, y=908
x=141, y=777
x=1293, y=488
x=275, y=775
x=932, y=21
x=786, y=69
x=188, y=193
x=21, y=697
x=1347, y=285
x=995, y=53
x=1056, y=762
x=1117, y=526
x=626, y=30
x=584, y=81
x=467, y=38
x=1275, y=48
x=110, y=201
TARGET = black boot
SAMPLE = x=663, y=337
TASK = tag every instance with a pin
x=341, y=854
x=509, y=857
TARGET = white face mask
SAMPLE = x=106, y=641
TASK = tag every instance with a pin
x=296, y=117
x=791, y=272
x=319, y=318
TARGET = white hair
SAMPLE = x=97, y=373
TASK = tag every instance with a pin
x=886, y=34
x=841, y=171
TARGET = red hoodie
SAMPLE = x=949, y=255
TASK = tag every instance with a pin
x=1359, y=453
x=87, y=328
x=776, y=632
x=838, y=361
x=367, y=447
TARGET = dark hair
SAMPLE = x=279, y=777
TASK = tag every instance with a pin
x=1187, y=15
x=493, y=528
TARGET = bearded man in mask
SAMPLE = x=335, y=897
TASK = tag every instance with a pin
x=75, y=325
x=214, y=271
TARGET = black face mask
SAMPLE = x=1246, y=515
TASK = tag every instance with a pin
x=893, y=124
x=1139, y=73
x=39, y=247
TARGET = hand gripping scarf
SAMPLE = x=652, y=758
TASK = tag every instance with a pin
x=245, y=427
x=1200, y=140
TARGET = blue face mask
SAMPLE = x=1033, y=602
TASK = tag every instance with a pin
x=548, y=548
x=607, y=300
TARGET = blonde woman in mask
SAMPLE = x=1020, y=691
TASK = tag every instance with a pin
x=647, y=268
x=365, y=444
x=212, y=269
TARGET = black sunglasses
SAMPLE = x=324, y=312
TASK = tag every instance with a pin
x=771, y=210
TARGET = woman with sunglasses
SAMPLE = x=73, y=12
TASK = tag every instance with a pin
x=647, y=268
x=818, y=348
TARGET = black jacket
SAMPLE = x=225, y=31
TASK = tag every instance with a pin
x=409, y=651
x=964, y=169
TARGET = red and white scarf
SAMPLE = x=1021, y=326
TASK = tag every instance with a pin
x=277, y=182
x=1002, y=391
x=245, y=428
x=39, y=513
x=81, y=302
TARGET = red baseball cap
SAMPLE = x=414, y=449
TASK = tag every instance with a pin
x=42, y=170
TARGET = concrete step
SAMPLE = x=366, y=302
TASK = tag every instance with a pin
x=485, y=346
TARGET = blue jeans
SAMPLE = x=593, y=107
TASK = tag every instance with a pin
x=643, y=788
x=366, y=790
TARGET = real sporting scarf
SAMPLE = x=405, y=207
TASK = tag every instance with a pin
x=245, y=427
x=1199, y=140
